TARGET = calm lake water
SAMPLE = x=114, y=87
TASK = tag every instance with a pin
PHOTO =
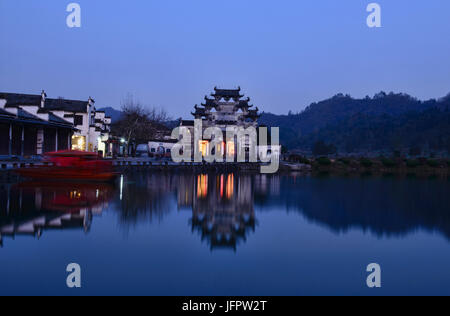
x=230, y=234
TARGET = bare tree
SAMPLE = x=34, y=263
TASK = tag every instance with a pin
x=139, y=123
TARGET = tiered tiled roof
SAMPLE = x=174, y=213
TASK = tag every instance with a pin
x=226, y=104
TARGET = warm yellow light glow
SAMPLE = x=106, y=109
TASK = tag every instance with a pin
x=230, y=186
x=202, y=186
x=78, y=142
x=101, y=146
x=75, y=195
x=230, y=148
x=203, y=145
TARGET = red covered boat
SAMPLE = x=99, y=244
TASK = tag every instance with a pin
x=72, y=165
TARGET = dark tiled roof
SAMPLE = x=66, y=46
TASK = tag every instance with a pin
x=65, y=105
x=244, y=104
x=209, y=103
x=253, y=113
x=187, y=123
x=21, y=117
x=231, y=93
x=199, y=111
x=224, y=122
x=15, y=99
x=56, y=119
x=168, y=141
x=24, y=115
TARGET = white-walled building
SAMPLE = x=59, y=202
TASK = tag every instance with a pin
x=43, y=124
x=93, y=127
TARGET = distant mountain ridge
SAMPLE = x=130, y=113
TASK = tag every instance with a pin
x=340, y=107
x=384, y=122
x=114, y=114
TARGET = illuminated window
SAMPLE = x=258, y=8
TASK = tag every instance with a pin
x=203, y=145
x=230, y=148
x=78, y=142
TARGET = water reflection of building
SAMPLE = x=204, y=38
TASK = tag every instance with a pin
x=31, y=208
x=222, y=207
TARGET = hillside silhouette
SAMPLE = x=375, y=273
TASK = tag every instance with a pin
x=385, y=122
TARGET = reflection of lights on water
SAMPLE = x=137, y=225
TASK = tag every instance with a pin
x=121, y=187
x=202, y=186
x=75, y=194
x=96, y=194
x=226, y=186
x=230, y=186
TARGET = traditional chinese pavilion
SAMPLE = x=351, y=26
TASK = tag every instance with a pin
x=223, y=108
x=226, y=107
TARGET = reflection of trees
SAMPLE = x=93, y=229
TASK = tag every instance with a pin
x=384, y=206
x=145, y=197
x=30, y=208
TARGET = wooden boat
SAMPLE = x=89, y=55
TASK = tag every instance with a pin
x=71, y=165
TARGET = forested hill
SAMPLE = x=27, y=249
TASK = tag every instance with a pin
x=384, y=122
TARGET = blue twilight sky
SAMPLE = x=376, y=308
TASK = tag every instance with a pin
x=284, y=54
